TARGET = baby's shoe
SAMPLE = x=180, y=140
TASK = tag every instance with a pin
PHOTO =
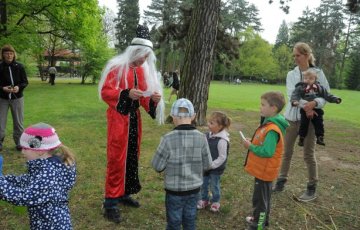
x=201, y=204
x=215, y=207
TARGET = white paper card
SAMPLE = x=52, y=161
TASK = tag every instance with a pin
x=242, y=136
x=147, y=93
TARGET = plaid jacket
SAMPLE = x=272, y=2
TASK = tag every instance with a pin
x=184, y=155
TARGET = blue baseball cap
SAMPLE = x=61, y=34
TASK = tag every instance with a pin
x=182, y=103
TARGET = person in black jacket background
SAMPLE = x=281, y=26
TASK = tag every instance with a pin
x=175, y=84
x=13, y=81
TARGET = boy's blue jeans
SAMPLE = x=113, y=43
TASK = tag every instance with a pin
x=214, y=181
x=181, y=210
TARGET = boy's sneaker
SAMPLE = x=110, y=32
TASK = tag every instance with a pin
x=320, y=140
x=112, y=214
x=301, y=141
x=215, y=207
x=201, y=204
x=250, y=220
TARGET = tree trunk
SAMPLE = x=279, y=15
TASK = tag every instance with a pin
x=342, y=64
x=198, y=61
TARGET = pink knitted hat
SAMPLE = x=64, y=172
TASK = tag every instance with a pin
x=40, y=137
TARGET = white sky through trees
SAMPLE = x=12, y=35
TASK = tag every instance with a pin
x=271, y=15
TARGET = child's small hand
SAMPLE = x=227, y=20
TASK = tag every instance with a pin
x=294, y=103
x=247, y=143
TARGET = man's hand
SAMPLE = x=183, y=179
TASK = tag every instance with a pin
x=135, y=94
x=156, y=97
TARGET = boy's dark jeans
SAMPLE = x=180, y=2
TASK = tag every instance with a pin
x=317, y=121
x=261, y=203
x=181, y=211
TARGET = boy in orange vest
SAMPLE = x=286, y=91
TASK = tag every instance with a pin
x=263, y=159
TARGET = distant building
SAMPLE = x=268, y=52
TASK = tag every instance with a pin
x=66, y=62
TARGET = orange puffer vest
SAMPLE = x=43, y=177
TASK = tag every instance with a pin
x=265, y=169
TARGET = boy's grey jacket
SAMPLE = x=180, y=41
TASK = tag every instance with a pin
x=183, y=154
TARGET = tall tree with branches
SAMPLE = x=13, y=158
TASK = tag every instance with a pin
x=126, y=22
x=282, y=38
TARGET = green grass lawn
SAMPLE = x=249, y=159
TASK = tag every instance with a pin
x=246, y=97
x=79, y=117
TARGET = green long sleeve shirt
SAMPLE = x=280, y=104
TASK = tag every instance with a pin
x=266, y=150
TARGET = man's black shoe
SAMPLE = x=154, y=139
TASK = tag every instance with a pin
x=112, y=214
x=320, y=140
x=129, y=201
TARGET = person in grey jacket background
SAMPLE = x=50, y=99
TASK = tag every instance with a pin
x=304, y=59
x=13, y=81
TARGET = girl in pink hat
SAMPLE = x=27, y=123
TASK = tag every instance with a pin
x=44, y=188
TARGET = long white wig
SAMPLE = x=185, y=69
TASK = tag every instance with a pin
x=123, y=61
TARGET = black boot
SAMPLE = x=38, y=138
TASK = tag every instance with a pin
x=129, y=201
x=320, y=140
x=279, y=186
x=112, y=214
x=301, y=141
x=309, y=194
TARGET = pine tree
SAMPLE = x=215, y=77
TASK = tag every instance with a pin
x=238, y=15
x=126, y=22
x=353, y=80
x=282, y=38
x=322, y=30
x=164, y=16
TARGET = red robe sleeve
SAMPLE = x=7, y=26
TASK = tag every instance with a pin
x=117, y=97
x=110, y=93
